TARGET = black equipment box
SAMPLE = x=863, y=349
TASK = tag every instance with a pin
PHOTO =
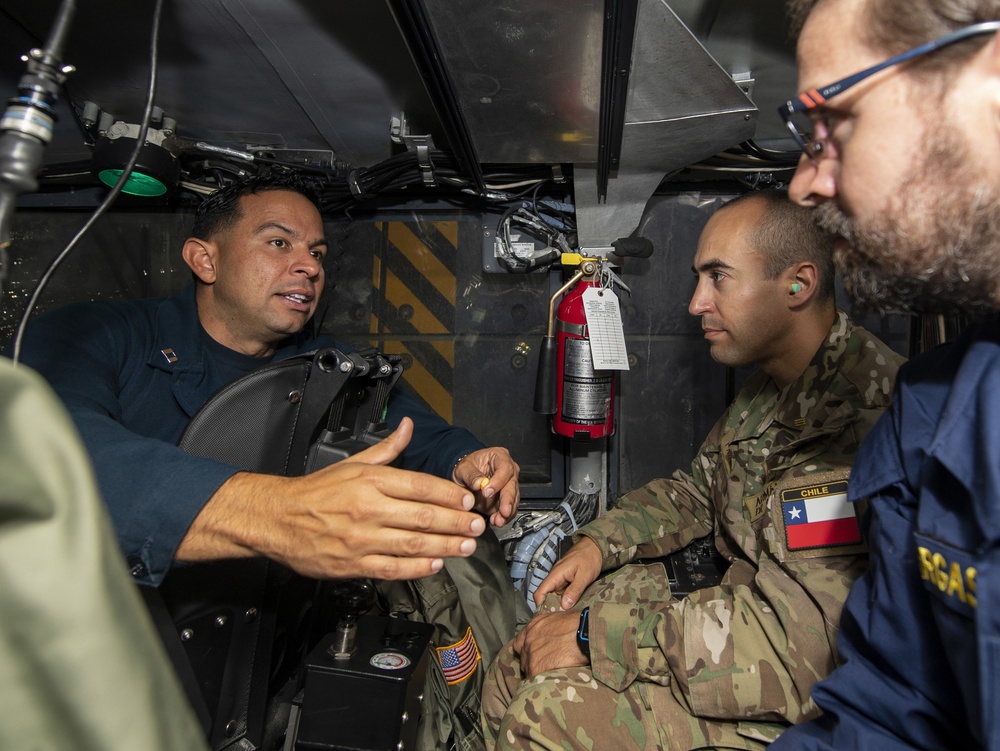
x=697, y=566
x=371, y=700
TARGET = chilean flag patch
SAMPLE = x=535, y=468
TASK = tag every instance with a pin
x=459, y=661
x=819, y=516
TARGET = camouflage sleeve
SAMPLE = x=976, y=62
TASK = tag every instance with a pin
x=749, y=649
x=752, y=647
x=662, y=516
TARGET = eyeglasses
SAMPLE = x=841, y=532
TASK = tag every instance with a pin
x=799, y=107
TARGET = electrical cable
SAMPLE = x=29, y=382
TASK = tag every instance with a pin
x=28, y=123
x=115, y=191
x=535, y=553
x=536, y=219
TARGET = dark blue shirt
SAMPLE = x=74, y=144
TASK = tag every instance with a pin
x=132, y=374
x=920, y=632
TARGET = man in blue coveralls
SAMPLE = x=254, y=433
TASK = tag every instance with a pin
x=133, y=373
x=900, y=123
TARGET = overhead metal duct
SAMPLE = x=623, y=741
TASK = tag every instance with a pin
x=527, y=78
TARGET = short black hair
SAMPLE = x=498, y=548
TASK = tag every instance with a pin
x=787, y=234
x=221, y=210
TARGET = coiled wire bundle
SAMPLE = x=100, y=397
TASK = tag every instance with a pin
x=536, y=540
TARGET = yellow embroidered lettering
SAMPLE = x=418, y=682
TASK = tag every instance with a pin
x=926, y=567
x=939, y=569
x=949, y=577
x=955, y=588
x=812, y=492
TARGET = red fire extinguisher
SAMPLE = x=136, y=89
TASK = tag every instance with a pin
x=579, y=398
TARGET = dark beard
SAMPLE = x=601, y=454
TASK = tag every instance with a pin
x=933, y=250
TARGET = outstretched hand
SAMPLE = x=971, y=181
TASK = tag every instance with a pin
x=501, y=494
x=356, y=518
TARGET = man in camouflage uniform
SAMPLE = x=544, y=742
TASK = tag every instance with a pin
x=732, y=665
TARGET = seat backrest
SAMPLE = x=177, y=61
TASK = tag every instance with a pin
x=245, y=625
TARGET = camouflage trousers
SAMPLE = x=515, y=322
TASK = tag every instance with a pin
x=568, y=709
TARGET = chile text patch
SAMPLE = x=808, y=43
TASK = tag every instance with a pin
x=459, y=661
x=818, y=516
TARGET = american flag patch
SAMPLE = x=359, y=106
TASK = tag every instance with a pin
x=459, y=661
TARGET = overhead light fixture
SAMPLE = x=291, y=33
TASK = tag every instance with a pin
x=156, y=171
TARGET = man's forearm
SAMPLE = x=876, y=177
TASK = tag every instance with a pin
x=233, y=521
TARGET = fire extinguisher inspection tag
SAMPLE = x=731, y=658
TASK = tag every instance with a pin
x=604, y=327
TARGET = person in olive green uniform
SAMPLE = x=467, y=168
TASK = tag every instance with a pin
x=732, y=665
x=81, y=666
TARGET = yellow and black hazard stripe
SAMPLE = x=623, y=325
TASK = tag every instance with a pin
x=413, y=305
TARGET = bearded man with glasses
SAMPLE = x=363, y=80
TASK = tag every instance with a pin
x=901, y=160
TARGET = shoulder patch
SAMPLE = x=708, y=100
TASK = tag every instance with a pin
x=459, y=661
x=812, y=517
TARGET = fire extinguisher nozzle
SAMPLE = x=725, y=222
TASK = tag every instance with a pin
x=545, y=380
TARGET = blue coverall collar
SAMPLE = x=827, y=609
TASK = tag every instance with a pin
x=177, y=350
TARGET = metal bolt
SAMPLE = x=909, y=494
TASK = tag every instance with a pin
x=230, y=728
x=251, y=615
x=486, y=233
x=294, y=397
x=220, y=621
x=384, y=369
x=346, y=367
x=186, y=634
x=406, y=716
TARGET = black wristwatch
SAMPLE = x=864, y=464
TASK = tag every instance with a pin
x=583, y=632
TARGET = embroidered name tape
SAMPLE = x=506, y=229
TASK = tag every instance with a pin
x=948, y=572
x=459, y=661
x=819, y=516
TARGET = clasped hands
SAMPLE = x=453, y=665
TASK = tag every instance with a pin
x=548, y=641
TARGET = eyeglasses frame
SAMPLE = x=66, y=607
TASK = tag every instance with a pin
x=808, y=100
